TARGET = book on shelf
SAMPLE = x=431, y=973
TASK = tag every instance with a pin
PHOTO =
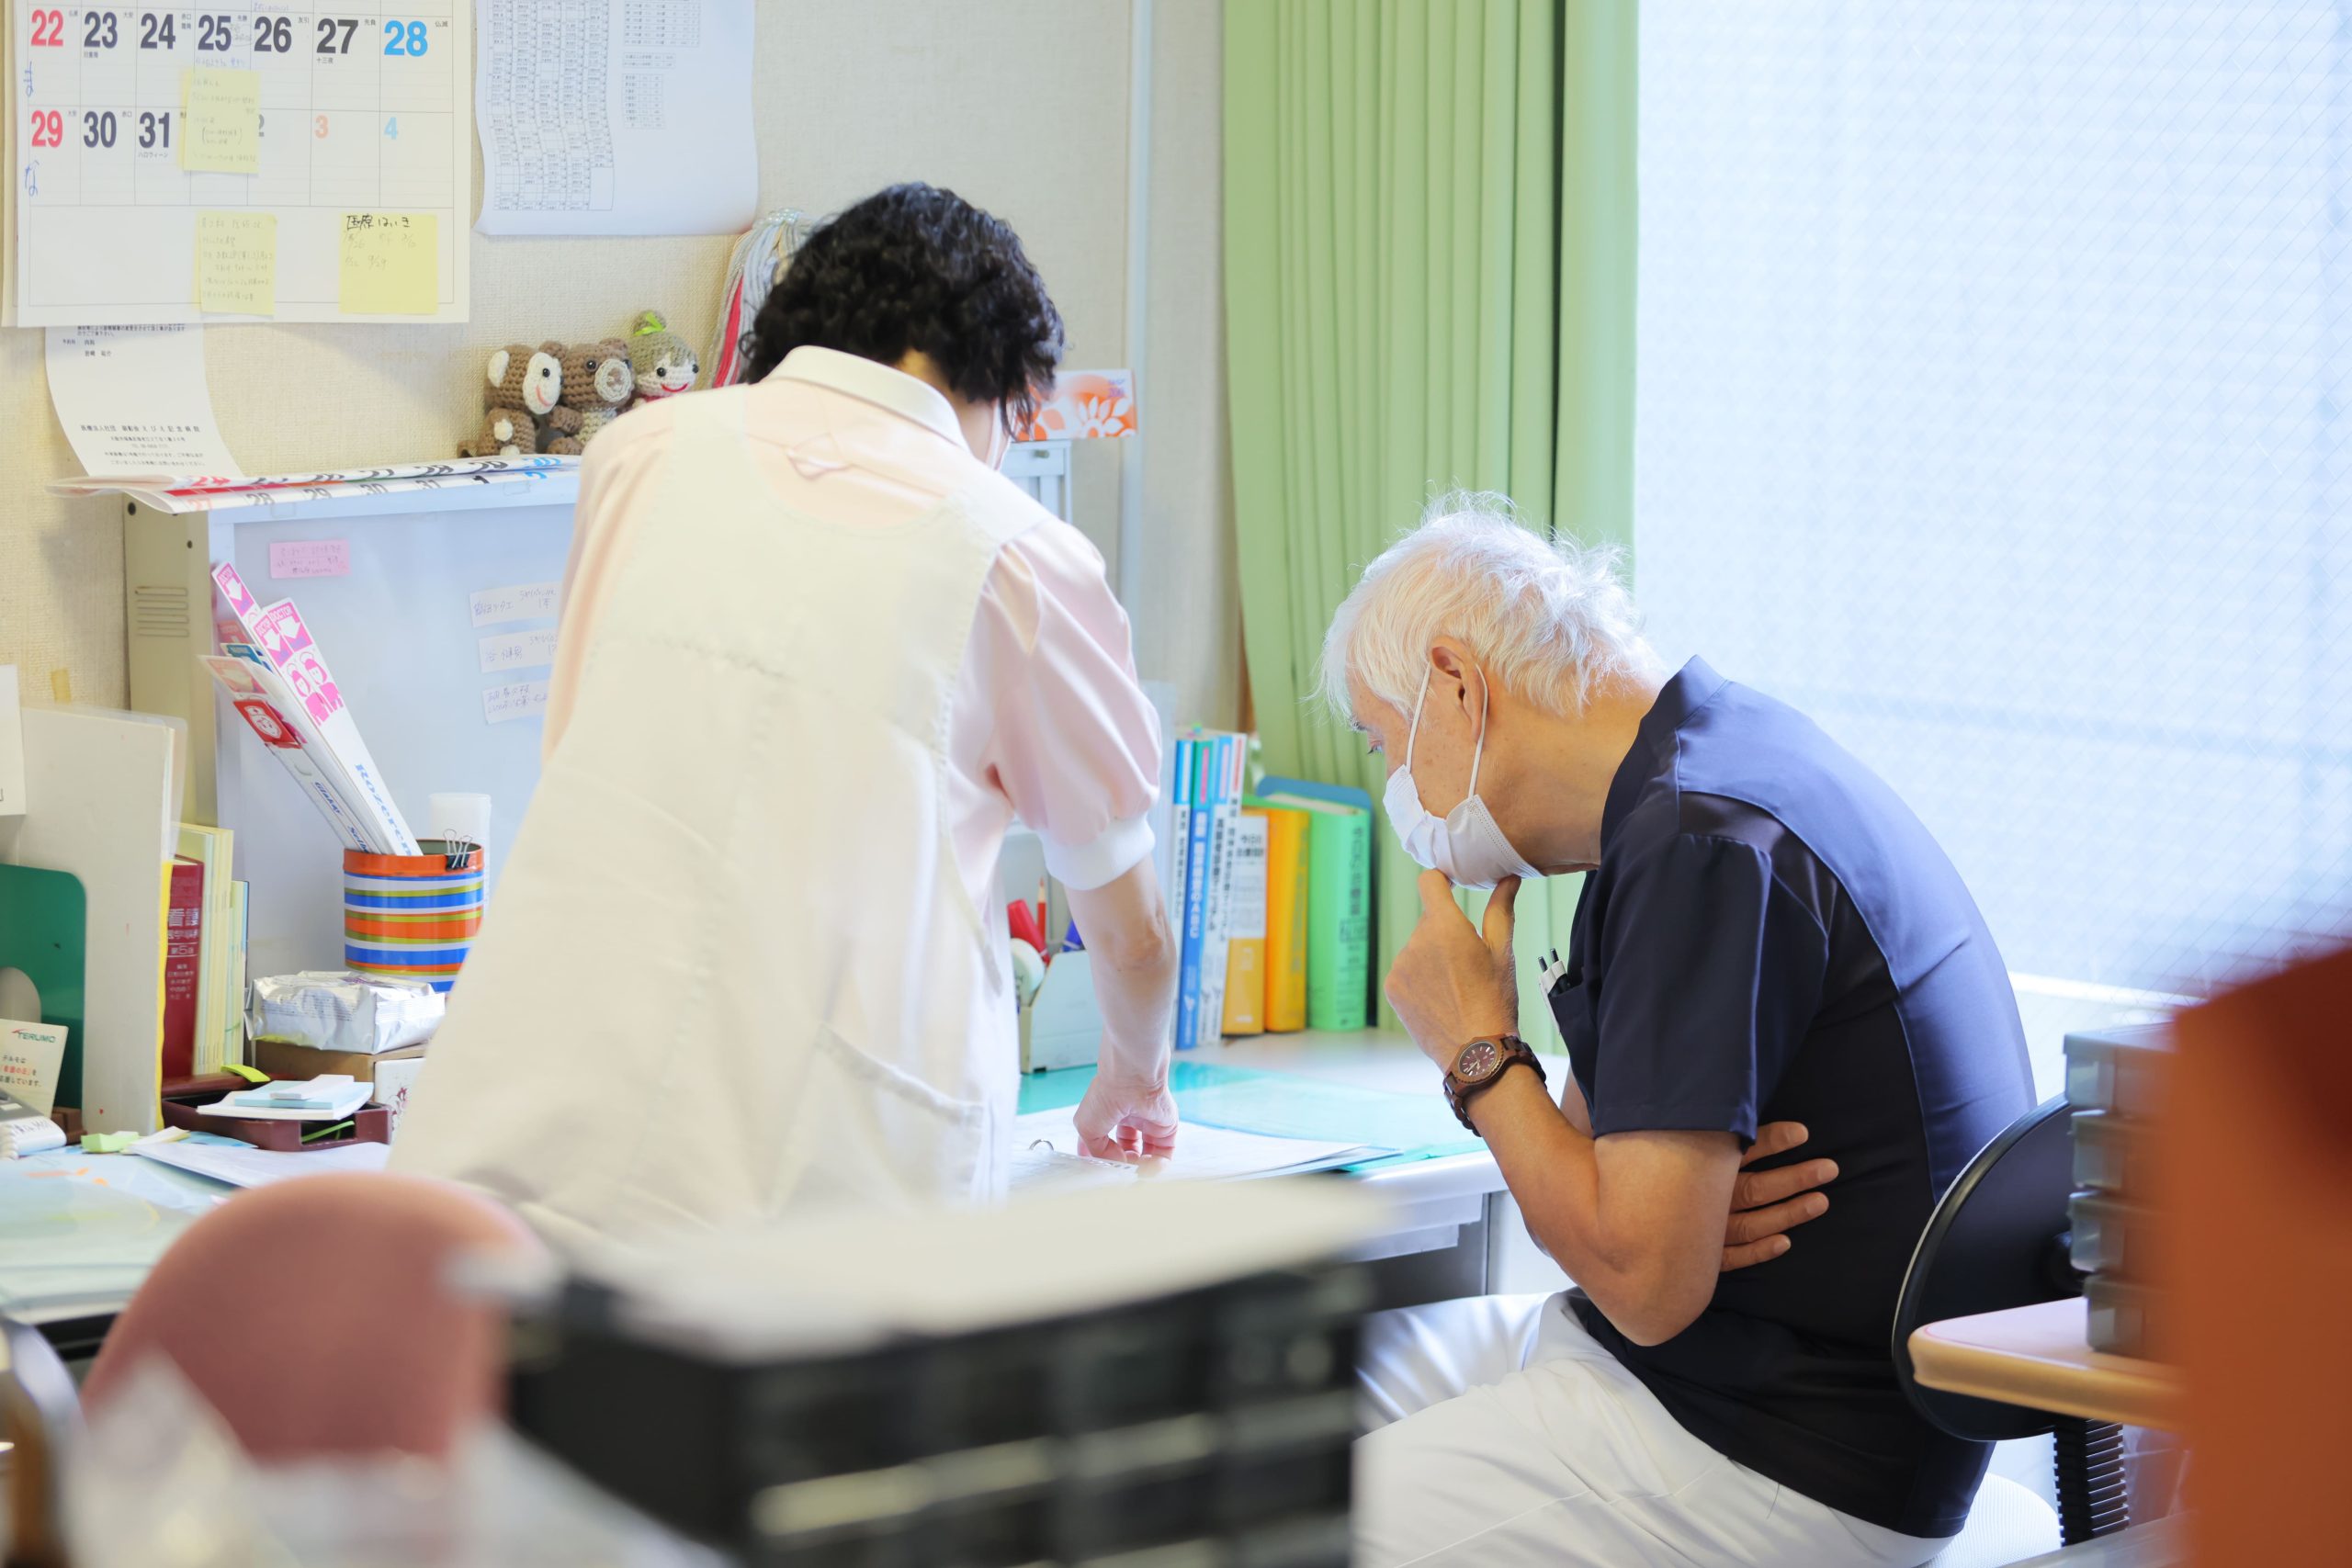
x=239, y=940
x=1245, y=936
x=183, y=966
x=1286, y=850
x=1339, y=898
x=1227, y=763
x=220, y=1000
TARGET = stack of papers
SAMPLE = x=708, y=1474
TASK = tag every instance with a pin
x=242, y=1167
x=1045, y=1157
x=329, y=1099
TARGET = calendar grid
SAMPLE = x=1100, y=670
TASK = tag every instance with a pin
x=362, y=108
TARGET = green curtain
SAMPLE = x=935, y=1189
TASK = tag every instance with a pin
x=1429, y=219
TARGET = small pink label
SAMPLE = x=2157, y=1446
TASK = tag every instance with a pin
x=309, y=558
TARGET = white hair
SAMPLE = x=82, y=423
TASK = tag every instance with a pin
x=1547, y=619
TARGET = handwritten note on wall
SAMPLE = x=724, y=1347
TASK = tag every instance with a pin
x=522, y=699
x=236, y=262
x=392, y=263
x=309, y=558
x=222, y=113
x=517, y=650
x=522, y=601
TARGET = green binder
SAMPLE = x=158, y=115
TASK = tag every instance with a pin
x=44, y=931
x=1339, y=898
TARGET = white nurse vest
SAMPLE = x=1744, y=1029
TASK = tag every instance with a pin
x=731, y=968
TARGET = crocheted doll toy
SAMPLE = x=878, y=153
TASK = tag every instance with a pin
x=663, y=362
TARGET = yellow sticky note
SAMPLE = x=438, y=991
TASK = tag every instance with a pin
x=251, y=1075
x=236, y=262
x=221, y=113
x=392, y=263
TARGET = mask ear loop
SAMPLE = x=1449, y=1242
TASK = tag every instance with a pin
x=1478, y=752
x=1413, y=735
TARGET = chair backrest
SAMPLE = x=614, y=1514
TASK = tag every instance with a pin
x=1993, y=1243
x=314, y=1318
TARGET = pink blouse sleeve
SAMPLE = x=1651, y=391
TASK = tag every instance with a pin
x=1075, y=744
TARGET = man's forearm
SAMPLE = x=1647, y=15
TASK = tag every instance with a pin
x=1623, y=1260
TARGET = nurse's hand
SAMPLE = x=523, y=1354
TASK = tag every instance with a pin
x=1124, y=1117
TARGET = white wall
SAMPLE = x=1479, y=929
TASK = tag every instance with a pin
x=1023, y=108
x=1188, y=622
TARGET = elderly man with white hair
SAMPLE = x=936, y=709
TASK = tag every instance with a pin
x=1766, y=933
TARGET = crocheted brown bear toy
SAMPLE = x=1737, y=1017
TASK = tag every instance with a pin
x=525, y=386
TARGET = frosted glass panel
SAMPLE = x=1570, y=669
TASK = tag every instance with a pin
x=1993, y=409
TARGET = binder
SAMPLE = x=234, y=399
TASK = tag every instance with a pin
x=1224, y=807
x=1245, y=977
x=1180, y=857
x=1338, y=899
x=1196, y=893
x=209, y=847
x=183, y=988
x=1285, y=942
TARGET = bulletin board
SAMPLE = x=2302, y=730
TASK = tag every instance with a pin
x=438, y=622
x=360, y=189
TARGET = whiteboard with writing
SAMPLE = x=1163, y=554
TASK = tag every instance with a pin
x=128, y=119
x=447, y=702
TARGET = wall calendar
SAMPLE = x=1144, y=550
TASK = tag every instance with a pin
x=248, y=160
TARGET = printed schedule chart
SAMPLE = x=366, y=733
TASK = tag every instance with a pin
x=255, y=156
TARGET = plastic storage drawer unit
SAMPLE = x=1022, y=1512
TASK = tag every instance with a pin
x=2116, y=1069
x=2112, y=1236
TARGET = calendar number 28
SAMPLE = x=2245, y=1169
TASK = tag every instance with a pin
x=404, y=38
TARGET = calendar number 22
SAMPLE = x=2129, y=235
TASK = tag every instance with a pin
x=404, y=38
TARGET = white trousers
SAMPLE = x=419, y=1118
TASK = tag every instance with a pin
x=1498, y=1432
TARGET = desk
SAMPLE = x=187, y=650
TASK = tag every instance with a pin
x=1456, y=1232
x=79, y=1232
x=2037, y=1357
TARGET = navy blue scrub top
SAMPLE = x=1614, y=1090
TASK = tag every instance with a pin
x=1772, y=936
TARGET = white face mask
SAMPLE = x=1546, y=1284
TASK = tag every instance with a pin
x=1465, y=845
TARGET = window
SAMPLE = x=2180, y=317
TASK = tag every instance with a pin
x=1994, y=373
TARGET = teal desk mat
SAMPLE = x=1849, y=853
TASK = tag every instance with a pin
x=1285, y=1105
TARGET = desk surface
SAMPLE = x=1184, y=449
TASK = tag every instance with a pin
x=2038, y=1357
x=79, y=1232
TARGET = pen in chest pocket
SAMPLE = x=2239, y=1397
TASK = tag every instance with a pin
x=1553, y=973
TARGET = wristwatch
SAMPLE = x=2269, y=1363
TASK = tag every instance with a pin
x=1481, y=1065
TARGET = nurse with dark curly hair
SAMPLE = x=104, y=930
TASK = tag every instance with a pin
x=816, y=654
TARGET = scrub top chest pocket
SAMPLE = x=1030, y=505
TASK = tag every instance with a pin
x=1573, y=1002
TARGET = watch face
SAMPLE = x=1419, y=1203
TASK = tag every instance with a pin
x=1478, y=1059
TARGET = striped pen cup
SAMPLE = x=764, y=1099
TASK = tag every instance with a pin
x=410, y=917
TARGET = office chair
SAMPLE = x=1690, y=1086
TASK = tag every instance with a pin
x=1998, y=1240
x=41, y=1418
x=340, y=1281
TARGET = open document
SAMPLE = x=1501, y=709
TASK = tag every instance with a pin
x=630, y=117
x=1045, y=1155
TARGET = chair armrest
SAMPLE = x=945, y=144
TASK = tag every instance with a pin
x=41, y=1414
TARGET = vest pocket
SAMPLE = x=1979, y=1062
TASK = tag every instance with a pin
x=867, y=1131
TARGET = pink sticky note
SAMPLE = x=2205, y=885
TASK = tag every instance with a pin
x=309, y=558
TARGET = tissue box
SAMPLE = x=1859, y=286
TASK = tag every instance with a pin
x=393, y=1073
